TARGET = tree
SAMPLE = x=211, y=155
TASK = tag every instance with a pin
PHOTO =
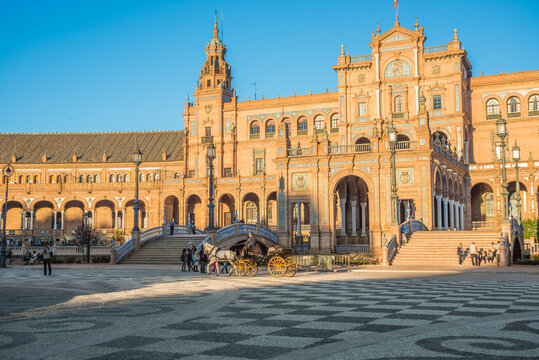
x=118, y=237
x=86, y=237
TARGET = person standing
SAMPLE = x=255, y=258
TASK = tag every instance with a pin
x=183, y=258
x=473, y=254
x=460, y=253
x=190, y=259
x=496, y=252
x=171, y=224
x=47, y=255
x=203, y=261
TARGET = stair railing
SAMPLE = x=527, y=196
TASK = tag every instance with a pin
x=129, y=246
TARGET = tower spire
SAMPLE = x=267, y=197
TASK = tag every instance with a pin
x=215, y=28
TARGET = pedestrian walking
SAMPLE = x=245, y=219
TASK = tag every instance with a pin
x=171, y=224
x=47, y=255
x=190, y=259
x=183, y=258
x=473, y=254
x=496, y=252
x=460, y=253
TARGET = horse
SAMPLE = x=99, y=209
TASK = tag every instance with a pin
x=215, y=255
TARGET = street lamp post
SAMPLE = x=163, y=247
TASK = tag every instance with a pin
x=7, y=171
x=516, y=159
x=502, y=133
x=137, y=159
x=86, y=237
x=210, y=157
x=394, y=197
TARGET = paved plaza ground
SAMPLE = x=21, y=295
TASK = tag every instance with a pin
x=158, y=312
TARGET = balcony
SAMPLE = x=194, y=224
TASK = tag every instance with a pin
x=397, y=115
x=350, y=149
x=206, y=139
x=254, y=136
x=299, y=151
x=493, y=116
x=513, y=115
x=405, y=145
x=361, y=58
x=334, y=130
x=434, y=49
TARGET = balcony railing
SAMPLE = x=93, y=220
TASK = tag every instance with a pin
x=361, y=58
x=347, y=149
x=434, y=49
x=206, y=139
x=299, y=151
x=405, y=145
x=397, y=115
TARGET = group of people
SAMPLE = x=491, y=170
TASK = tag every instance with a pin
x=193, y=258
x=190, y=225
x=480, y=255
x=31, y=258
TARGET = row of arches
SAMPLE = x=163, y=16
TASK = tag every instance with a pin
x=84, y=178
x=448, y=200
x=513, y=105
x=102, y=215
x=486, y=209
x=268, y=129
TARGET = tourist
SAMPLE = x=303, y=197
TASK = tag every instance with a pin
x=489, y=256
x=224, y=270
x=192, y=226
x=47, y=255
x=496, y=252
x=27, y=257
x=8, y=257
x=195, y=260
x=33, y=258
x=473, y=254
x=190, y=259
x=460, y=253
x=171, y=224
x=203, y=261
x=183, y=259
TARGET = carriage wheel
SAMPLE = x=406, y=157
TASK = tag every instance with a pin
x=276, y=266
x=252, y=268
x=239, y=267
x=291, y=266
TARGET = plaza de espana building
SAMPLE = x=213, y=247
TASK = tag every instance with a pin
x=315, y=168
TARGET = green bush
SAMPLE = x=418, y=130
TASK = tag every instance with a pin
x=531, y=228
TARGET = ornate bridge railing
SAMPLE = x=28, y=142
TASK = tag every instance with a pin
x=352, y=248
x=244, y=229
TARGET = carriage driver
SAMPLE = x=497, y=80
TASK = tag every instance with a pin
x=249, y=244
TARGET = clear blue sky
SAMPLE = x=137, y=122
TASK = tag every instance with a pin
x=78, y=65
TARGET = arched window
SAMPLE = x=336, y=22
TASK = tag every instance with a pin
x=112, y=178
x=21, y=179
x=96, y=178
x=254, y=130
x=81, y=179
x=51, y=179
x=361, y=109
x=89, y=178
x=533, y=105
x=513, y=106
x=302, y=125
x=120, y=178
x=65, y=179
x=403, y=141
x=36, y=179
x=489, y=205
x=397, y=105
x=334, y=121
x=319, y=122
x=148, y=177
x=59, y=179
x=251, y=211
x=28, y=179
x=270, y=128
x=176, y=176
x=363, y=144
x=142, y=177
x=493, y=108
x=126, y=178
x=155, y=177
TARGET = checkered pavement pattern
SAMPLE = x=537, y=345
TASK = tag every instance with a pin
x=273, y=320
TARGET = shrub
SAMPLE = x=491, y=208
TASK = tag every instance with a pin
x=361, y=259
x=531, y=228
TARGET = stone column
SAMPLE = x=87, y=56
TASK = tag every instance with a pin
x=439, y=210
x=343, y=217
x=298, y=232
x=353, y=204
x=451, y=215
x=31, y=219
x=446, y=217
x=91, y=222
x=457, y=216
x=116, y=219
x=23, y=220
x=363, y=220
x=461, y=216
x=62, y=219
x=54, y=220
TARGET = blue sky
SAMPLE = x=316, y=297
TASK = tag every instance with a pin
x=78, y=65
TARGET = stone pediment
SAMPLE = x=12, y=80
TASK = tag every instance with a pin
x=396, y=37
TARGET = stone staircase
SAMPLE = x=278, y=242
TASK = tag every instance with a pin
x=163, y=250
x=439, y=248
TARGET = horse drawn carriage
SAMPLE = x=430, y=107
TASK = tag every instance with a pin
x=279, y=261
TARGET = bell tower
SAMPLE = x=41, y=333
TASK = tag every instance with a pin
x=215, y=72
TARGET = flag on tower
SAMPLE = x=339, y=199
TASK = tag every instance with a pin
x=396, y=3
